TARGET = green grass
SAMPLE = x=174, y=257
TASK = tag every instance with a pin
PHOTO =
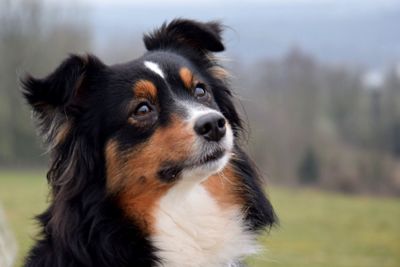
x=23, y=194
x=316, y=228
x=326, y=229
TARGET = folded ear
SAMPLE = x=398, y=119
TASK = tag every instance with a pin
x=61, y=95
x=199, y=36
x=62, y=88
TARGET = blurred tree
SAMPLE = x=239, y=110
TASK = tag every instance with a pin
x=29, y=41
x=296, y=103
x=308, y=171
x=391, y=112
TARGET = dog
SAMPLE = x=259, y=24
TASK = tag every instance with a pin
x=146, y=163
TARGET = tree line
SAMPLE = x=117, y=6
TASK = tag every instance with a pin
x=324, y=124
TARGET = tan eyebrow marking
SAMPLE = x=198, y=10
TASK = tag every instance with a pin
x=145, y=89
x=186, y=77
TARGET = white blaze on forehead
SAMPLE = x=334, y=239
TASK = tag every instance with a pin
x=154, y=67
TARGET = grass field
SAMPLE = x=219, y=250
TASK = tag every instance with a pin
x=316, y=229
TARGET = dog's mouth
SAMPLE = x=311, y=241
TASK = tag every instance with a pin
x=211, y=157
x=209, y=160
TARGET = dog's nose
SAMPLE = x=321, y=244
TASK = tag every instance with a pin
x=211, y=127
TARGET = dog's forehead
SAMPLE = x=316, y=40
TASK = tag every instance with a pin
x=161, y=74
x=164, y=64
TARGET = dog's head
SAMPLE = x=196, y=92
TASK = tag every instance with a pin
x=128, y=133
x=164, y=117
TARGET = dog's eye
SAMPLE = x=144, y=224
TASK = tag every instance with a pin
x=200, y=91
x=144, y=113
x=142, y=109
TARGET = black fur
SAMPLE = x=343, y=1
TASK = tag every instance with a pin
x=83, y=226
x=186, y=33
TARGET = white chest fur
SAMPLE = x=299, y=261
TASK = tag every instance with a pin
x=192, y=230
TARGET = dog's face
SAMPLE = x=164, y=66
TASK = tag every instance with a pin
x=164, y=118
x=166, y=121
x=168, y=129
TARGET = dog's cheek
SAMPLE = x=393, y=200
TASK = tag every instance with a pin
x=112, y=166
x=132, y=175
x=173, y=143
x=131, y=183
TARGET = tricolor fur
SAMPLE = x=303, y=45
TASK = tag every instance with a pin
x=146, y=164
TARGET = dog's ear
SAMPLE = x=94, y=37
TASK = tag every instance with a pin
x=202, y=37
x=58, y=98
x=63, y=88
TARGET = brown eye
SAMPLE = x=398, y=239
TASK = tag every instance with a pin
x=142, y=109
x=199, y=91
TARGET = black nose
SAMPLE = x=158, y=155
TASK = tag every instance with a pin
x=211, y=127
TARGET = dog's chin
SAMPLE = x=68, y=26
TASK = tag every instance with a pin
x=208, y=165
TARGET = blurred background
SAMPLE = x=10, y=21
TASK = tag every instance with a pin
x=317, y=81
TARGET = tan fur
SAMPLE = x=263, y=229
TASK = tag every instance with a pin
x=145, y=89
x=223, y=187
x=132, y=175
x=186, y=77
x=62, y=133
x=219, y=72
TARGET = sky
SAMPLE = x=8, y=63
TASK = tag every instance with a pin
x=369, y=4
x=362, y=32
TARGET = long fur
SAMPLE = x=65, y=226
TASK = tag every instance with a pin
x=84, y=226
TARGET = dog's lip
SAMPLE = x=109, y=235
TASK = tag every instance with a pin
x=213, y=156
x=171, y=171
